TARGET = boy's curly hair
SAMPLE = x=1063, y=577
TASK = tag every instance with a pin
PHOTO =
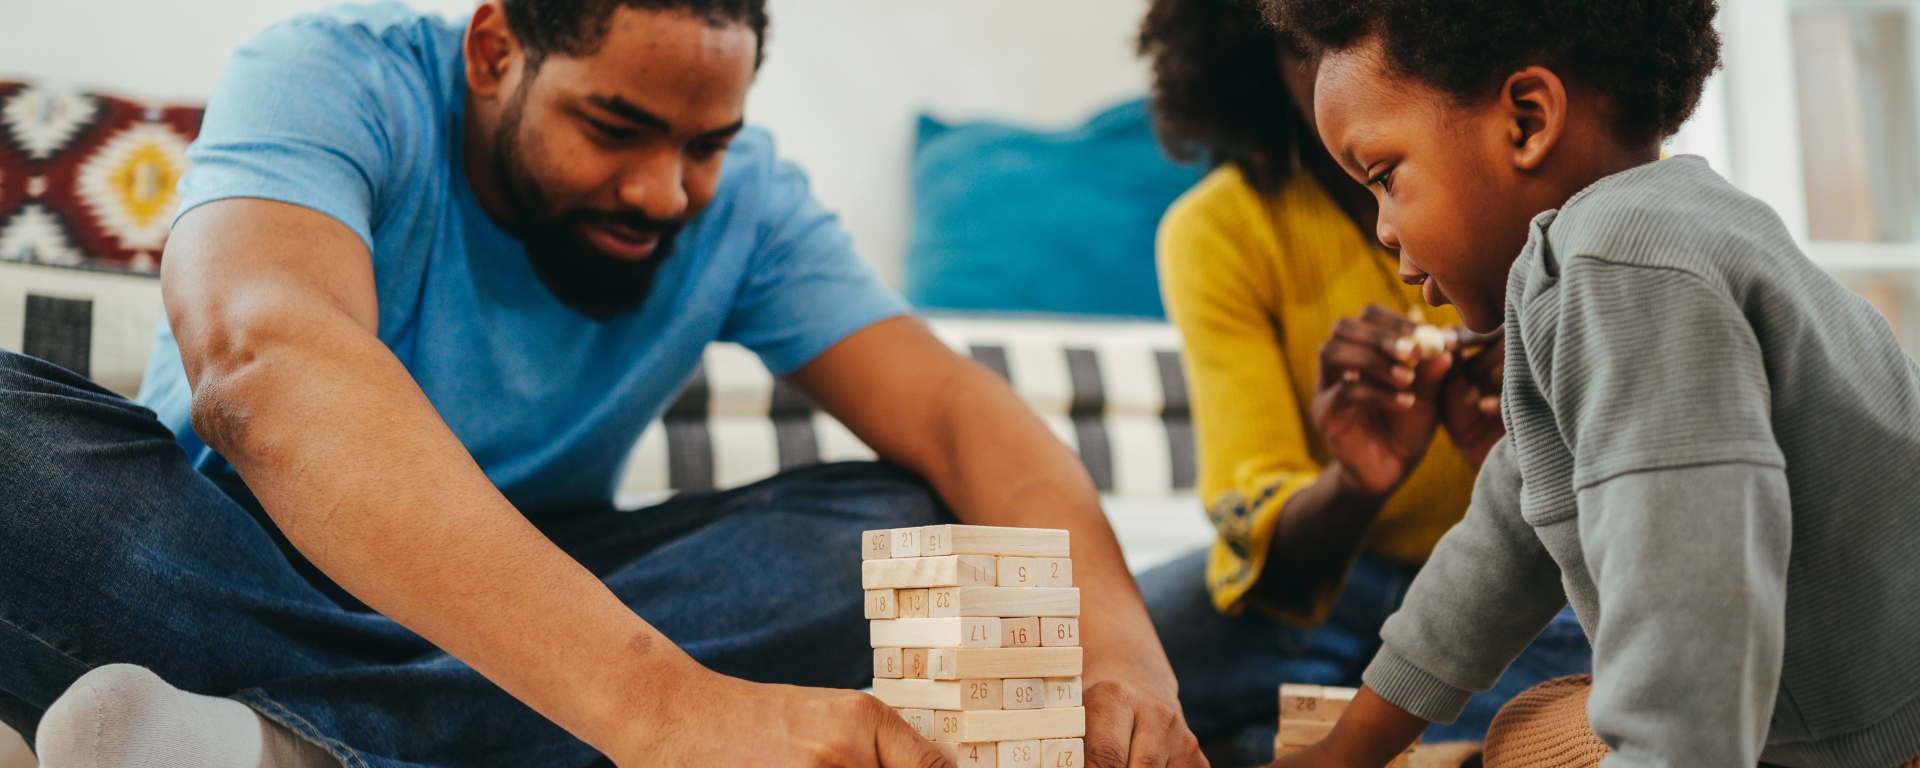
x=1647, y=58
x=1217, y=92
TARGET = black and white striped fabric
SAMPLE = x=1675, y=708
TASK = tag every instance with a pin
x=1111, y=390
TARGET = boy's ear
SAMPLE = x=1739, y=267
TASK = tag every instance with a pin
x=492, y=51
x=1535, y=100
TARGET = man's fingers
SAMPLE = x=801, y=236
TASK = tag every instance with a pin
x=1109, y=735
x=900, y=747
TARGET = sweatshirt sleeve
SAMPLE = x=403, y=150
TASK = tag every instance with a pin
x=1488, y=590
x=1685, y=525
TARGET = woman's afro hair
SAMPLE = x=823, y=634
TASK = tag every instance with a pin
x=1647, y=58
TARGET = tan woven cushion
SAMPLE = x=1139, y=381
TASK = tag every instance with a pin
x=1545, y=727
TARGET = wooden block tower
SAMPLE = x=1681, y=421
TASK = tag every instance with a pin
x=976, y=641
x=1307, y=715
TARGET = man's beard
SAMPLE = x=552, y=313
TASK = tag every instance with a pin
x=579, y=275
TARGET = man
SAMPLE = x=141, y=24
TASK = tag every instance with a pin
x=428, y=285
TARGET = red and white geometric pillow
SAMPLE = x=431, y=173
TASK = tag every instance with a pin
x=88, y=180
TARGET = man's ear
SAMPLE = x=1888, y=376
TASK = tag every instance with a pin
x=493, y=53
x=1535, y=100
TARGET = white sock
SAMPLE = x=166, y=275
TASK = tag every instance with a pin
x=123, y=716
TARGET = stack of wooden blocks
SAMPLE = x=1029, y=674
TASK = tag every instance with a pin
x=976, y=641
x=1307, y=715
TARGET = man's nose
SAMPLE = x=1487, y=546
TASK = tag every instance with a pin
x=654, y=184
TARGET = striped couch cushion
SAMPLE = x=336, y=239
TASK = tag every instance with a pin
x=1111, y=390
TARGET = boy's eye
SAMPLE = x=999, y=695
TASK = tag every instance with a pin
x=1384, y=179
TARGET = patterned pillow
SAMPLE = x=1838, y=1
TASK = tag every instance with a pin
x=88, y=180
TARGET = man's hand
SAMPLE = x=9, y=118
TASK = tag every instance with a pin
x=718, y=720
x=1470, y=407
x=1129, y=726
x=1378, y=402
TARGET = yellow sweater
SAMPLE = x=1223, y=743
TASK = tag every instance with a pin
x=1255, y=285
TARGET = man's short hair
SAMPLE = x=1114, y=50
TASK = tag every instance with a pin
x=578, y=27
x=1648, y=58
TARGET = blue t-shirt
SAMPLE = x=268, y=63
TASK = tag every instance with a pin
x=356, y=112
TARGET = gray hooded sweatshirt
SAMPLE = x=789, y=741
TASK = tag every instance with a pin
x=1713, y=453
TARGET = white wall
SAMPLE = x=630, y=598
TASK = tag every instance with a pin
x=840, y=90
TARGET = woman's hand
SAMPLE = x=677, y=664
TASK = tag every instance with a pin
x=1470, y=408
x=1378, y=403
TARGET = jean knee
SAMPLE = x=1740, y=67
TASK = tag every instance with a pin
x=873, y=494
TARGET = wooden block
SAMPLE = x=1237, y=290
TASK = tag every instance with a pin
x=1019, y=572
x=969, y=755
x=1059, y=631
x=1054, y=571
x=1020, y=754
x=994, y=540
x=1024, y=693
x=920, y=720
x=1003, y=601
x=1063, y=692
x=976, y=663
x=887, y=664
x=939, y=694
x=1010, y=724
x=920, y=572
x=876, y=545
x=1282, y=750
x=913, y=604
x=882, y=604
x=1063, y=753
x=957, y=632
x=913, y=663
x=1301, y=701
x=1020, y=633
x=1334, y=701
x=906, y=542
x=1301, y=733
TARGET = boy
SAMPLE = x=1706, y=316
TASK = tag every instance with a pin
x=1710, y=441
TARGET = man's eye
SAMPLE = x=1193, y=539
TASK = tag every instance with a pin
x=706, y=149
x=618, y=134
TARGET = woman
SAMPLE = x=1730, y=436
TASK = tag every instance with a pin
x=1332, y=458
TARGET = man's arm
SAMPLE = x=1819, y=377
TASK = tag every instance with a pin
x=275, y=312
x=961, y=427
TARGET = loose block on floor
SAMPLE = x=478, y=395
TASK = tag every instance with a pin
x=958, y=632
x=1300, y=733
x=969, y=755
x=1010, y=724
x=939, y=694
x=1003, y=601
x=923, y=572
x=975, y=663
x=994, y=540
x=1059, y=631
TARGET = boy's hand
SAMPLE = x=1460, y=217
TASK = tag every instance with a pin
x=1378, y=402
x=1470, y=407
x=1370, y=734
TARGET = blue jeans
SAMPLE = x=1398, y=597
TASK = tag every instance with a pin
x=1230, y=668
x=113, y=549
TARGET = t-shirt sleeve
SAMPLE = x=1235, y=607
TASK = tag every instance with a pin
x=805, y=290
x=303, y=114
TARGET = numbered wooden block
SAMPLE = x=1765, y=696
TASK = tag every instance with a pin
x=876, y=545
x=1024, y=693
x=906, y=542
x=887, y=664
x=1063, y=692
x=1302, y=702
x=1300, y=733
x=1054, y=571
x=913, y=604
x=969, y=755
x=939, y=694
x=913, y=663
x=920, y=720
x=1059, y=631
x=998, y=725
x=1020, y=633
x=921, y=572
x=1334, y=701
x=1063, y=753
x=1020, y=754
x=975, y=663
x=959, y=632
x=1004, y=601
x=995, y=540
x=882, y=604
x=1019, y=572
